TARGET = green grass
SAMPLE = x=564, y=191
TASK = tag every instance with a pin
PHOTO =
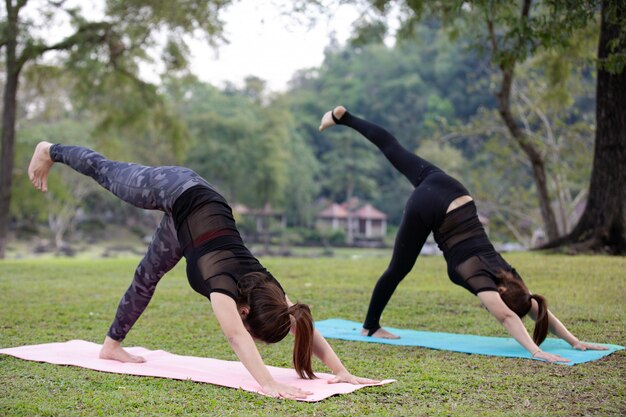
x=55, y=300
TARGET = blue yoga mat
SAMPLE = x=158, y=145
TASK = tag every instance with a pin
x=465, y=343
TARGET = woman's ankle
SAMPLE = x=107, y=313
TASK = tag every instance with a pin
x=338, y=113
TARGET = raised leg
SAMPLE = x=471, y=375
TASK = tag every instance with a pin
x=414, y=168
x=153, y=188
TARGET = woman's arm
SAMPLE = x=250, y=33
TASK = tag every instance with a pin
x=514, y=325
x=243, y=345
x=327, y=355
x=558, y=329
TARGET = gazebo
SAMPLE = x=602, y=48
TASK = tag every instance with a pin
x=363, y=221
x=370, y=222
x=333, y=217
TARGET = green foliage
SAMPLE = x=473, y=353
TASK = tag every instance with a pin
x=103, y=59
x=239, y=144
x=433, y=93
x=442, y=154
x=30, y=206
x=510, y=31
x=585, y=292
x=365, y=33
x=102, y=56
x=411, y=90
x=349, y=168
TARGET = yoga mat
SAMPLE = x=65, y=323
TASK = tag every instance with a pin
x=464, y=343
x=160, y=363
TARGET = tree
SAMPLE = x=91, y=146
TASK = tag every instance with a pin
x=513, y=31
x=506, y=61
x=115, y=43
x=602, y=227
x=506, y=31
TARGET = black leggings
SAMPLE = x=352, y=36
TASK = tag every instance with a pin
x=152, y=188
x=423, y=213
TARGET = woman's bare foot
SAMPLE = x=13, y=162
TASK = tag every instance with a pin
x=112, y=349
x=380, y=333
x=327, y=119
x=40, y=165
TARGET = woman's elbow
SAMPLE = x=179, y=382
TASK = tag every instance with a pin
x=507, y=319
x=236, y=338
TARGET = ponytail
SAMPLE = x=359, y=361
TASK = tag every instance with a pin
x=542, y=320
x=303, y=344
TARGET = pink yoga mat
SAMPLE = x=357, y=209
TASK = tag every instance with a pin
x=160, y=363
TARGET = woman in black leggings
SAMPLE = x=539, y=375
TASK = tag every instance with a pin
x=442, y=205
x=198, y=224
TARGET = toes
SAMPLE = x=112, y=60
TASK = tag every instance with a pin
x=326, y=121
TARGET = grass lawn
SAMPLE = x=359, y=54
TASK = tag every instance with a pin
x=55, y=300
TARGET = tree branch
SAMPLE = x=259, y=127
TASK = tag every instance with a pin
x=543, y=117
x=492, y=36
x=507, y=68
x=144, y=87
x=86, y=33
x=58, y=4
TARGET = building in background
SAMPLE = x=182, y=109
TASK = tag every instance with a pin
x=362, y=223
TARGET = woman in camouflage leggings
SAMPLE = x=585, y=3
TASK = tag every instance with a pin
x=198, y=224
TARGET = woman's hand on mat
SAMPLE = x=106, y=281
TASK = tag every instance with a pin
x=549, y=357
x=351, y=379
x=112, y=349
x=588, y=346
x=278, y=390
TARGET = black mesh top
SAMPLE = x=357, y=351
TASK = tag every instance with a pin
x=473, y=262
x=216, y=255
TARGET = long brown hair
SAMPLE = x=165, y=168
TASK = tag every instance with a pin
x=269, y=318
x=518, y=298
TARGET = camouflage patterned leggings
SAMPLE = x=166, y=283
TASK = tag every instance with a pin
x=152, y=188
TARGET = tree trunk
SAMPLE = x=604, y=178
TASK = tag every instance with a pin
x=7, y=157
x=350, y=219
x=350, y=192
x=7, y=154
x=507, y=69
x=536, y=160
x=602, y=227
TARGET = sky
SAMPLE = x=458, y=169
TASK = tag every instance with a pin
x=262, y=41
x=267, y=44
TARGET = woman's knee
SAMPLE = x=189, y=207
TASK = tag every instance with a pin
x=395, y=274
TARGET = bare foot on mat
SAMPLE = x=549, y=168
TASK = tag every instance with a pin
x=112, y=349
x=380, y=333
